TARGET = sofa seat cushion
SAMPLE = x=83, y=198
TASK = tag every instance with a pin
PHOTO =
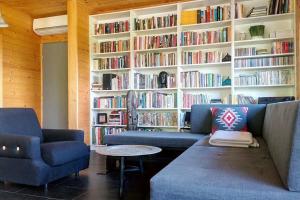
x=213, y=173
x=159, y=139
x=59, y=153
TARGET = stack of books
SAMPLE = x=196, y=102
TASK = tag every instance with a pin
x=264, y=62
x=199, y=57
x=114, y=27
x=281, y=6
x=157, y=100
x=155, y=41
x=195, y=79
x=110, y=102
x=274, y=77
x=207, y=37
x=155, y=59
x=258, y=11
x=150, y=81
x=111, y=63
x=111, y=46
x=157, y=119
x=155, y=22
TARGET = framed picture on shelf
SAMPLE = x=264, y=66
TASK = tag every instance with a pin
x=101, y=118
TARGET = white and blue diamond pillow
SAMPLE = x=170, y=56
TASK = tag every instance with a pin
x=229, y=119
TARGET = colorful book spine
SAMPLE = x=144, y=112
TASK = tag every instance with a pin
x=213, y=14
x=274, y=77
x=120, y=82
x=195, y=79
x=111, y=46
x=245, y=51
x=150, y=81
x=114, y=27
x=99, y=132
x=157, y=100
x=110, y=102
x=199, y=57
x=111, y=63
x=155, y=42
x=155, y=59
x=282, y=47
x=155, y=22
x=264, y=62
x=191, y=99
x=207, y=37
x=157, y=119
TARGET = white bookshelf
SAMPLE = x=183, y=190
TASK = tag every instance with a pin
x=227, y=93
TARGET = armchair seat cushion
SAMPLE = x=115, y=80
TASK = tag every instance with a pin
x=59, y=153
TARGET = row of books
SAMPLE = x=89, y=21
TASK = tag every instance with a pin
x=242, y=99
x=282, y=47
x=155, y=22
x=198, y=57
x=119, y=62
x=155, y=41
x=191, y=99
x=157, y=119
x=209, y=14
x=151, y=81
x=195, y=79
x=111, y=82
x=207, y=37
x=157, y=100
x=110, y=102
x=280, y=6
x=111, y=46
x=114, y=27
x=274, y=77
x=261, y=62
x=99, y=132
x=155, y=59
x=251, y=51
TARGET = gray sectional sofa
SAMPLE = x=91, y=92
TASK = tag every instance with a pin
x=204, y=172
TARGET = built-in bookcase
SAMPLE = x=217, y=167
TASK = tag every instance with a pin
x=191, y=50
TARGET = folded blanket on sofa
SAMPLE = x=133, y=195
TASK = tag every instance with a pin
x=233, y=139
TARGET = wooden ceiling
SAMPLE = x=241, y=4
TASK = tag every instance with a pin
x=45, y=8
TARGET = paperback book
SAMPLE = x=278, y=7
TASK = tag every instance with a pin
x=155, y=59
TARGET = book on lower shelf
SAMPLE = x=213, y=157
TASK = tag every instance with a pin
x=157, y=100
x=153, y=59
x=111, y=46
x=164, y=119
x=99, y=132
x=151, y=81
x=195, y=79
x=243, y=99
x=190, y=38
x=262, y=78
x=262, y=62
x=191, y=99
x=111, y=82
x=118, y=62
x=155, y=41
x=200, y=57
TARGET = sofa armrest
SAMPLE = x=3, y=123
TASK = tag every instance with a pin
x=56, y=135
x=19, y=146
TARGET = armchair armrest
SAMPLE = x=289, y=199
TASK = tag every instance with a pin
x=20, y=146
x=55, y=135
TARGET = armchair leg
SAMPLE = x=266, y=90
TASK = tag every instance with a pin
x=46, y=187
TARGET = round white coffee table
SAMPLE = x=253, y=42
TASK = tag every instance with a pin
x=123, y=151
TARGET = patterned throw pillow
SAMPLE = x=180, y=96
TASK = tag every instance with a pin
x=229, y=119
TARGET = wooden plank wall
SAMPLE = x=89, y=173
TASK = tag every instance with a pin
x=78, y=53
x=21, y=61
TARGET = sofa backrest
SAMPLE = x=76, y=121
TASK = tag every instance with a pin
x=201, y=120
x=20, y=121
x=282, y=134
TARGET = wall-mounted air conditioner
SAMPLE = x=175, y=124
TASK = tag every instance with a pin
x=51, y=25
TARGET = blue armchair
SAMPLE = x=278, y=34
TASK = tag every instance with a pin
x=34, y=156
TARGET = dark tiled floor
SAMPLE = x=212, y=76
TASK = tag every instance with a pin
x=89, y=186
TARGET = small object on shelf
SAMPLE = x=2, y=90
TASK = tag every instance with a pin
x=101, y=118
x=227, y=58
x=162, y=80
x=242, y=36
x=257, y=32
x=216, y=101
x=262, y=51
x=257, y=11
x=226, y=82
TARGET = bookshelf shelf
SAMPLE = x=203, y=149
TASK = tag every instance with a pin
x=266, y=67
x=264, y=56
x=279, y=36
x=259, y=41
x=208, y=25
x=207, y=46
x=262, y=19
